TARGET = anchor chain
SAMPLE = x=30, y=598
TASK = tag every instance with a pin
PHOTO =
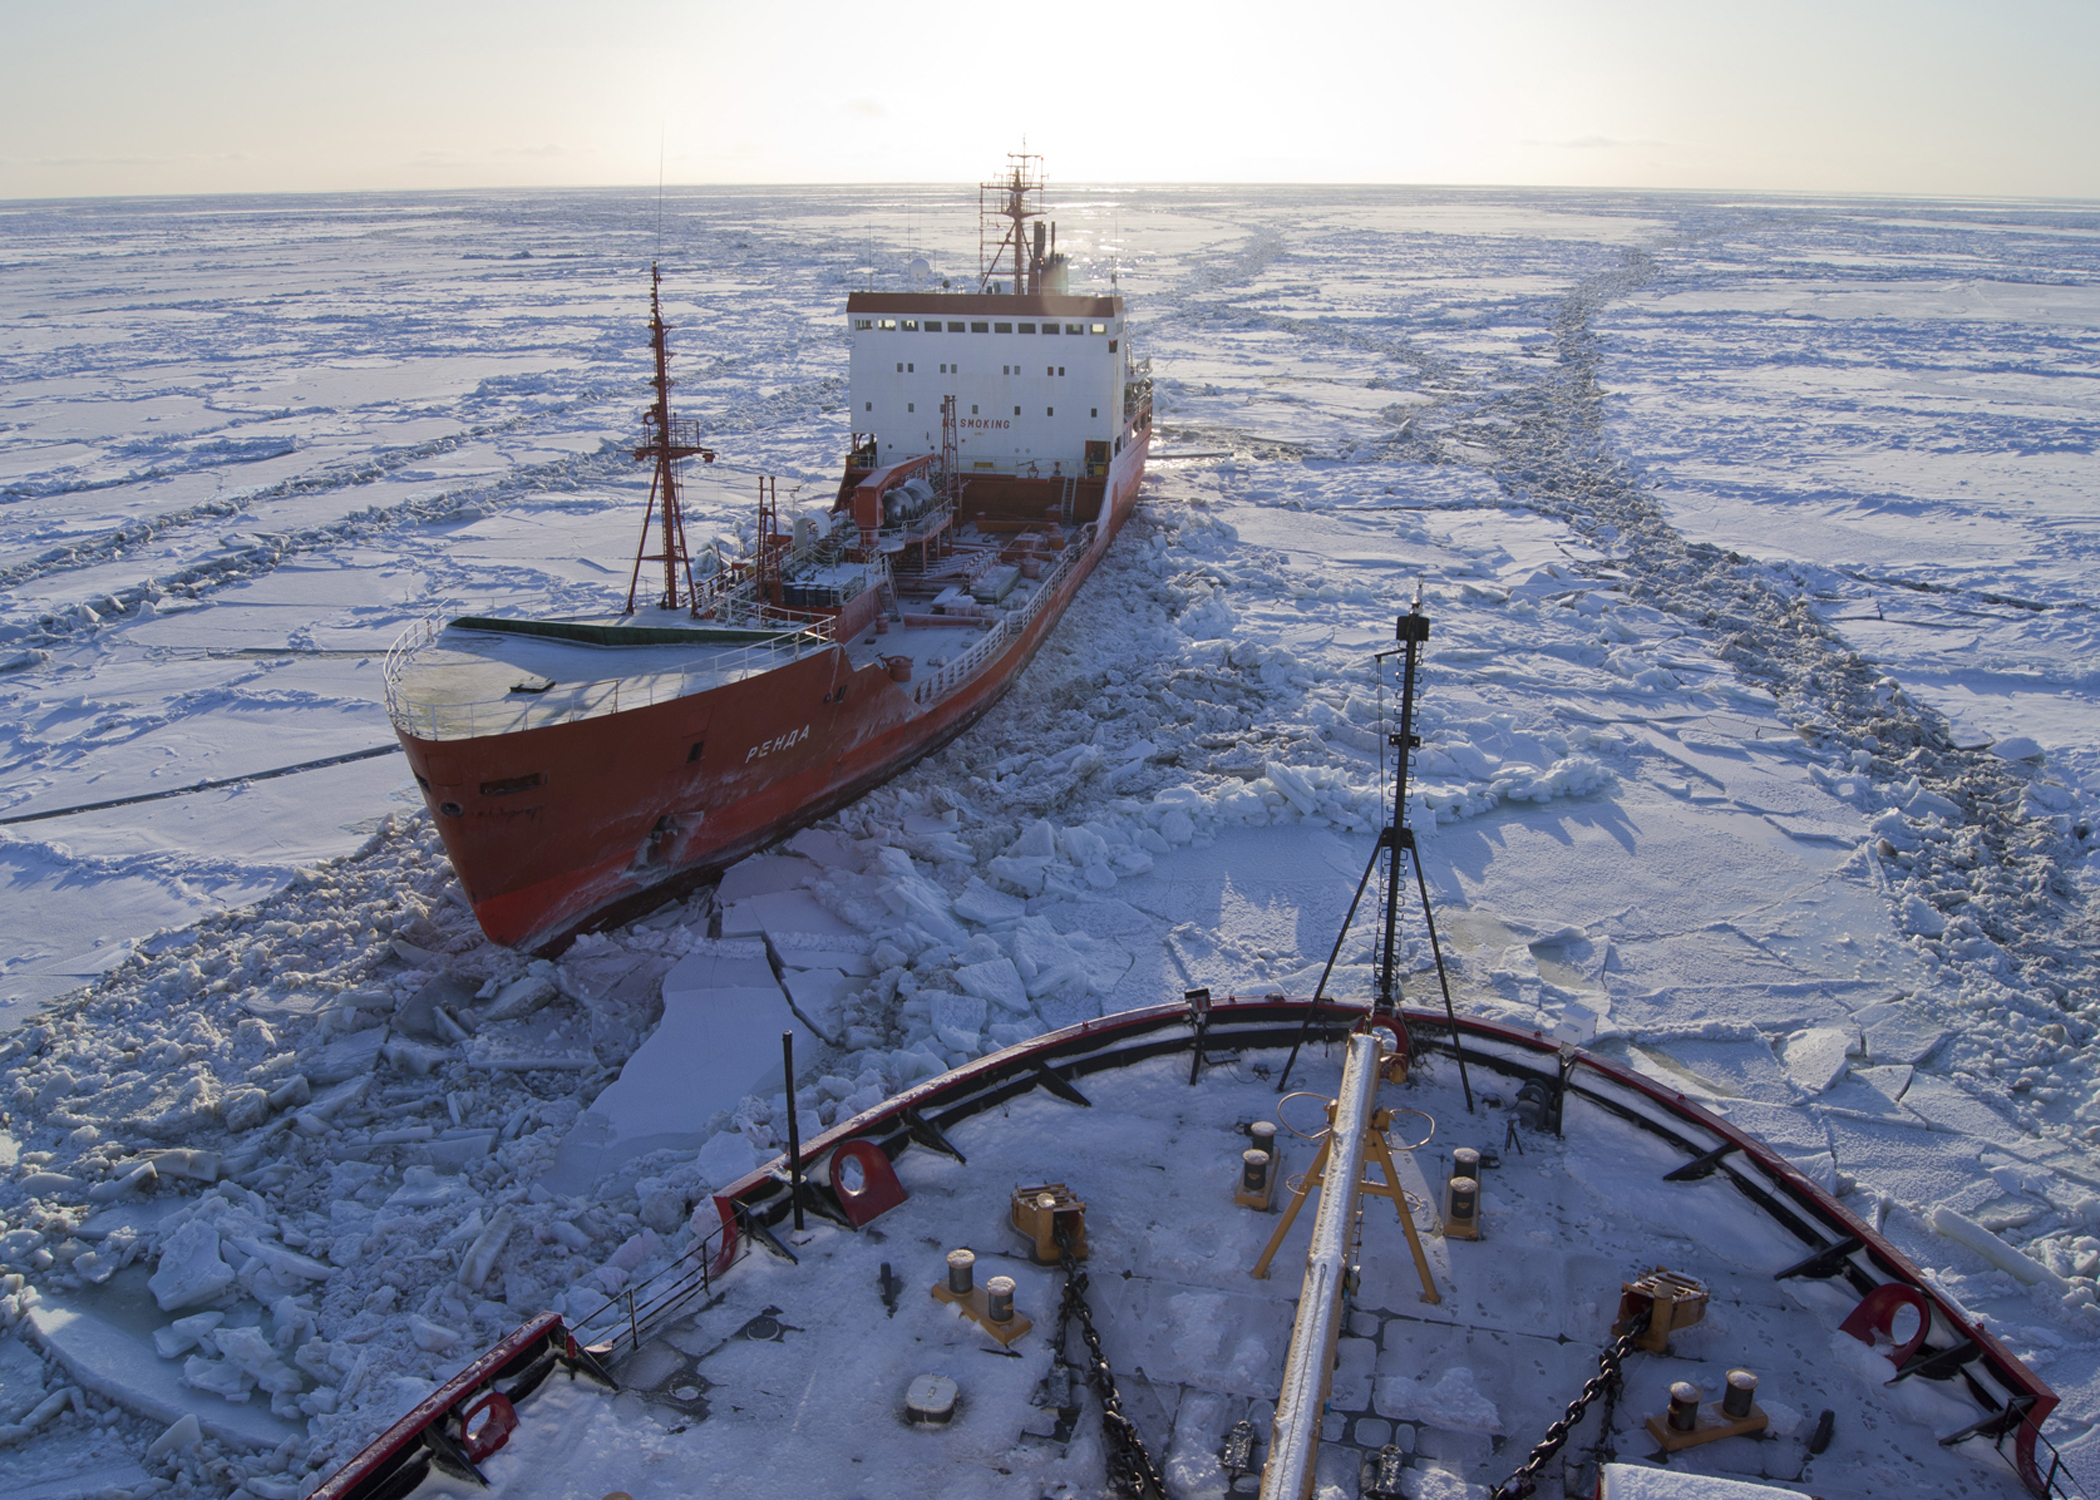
x=1131, y=1472
x=1524, y=1483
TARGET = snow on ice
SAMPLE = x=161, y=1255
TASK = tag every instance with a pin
x=1759, y=741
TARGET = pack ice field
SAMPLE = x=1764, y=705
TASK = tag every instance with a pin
x=1760, y=734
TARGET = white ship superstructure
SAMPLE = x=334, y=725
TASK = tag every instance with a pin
x=1038, y=379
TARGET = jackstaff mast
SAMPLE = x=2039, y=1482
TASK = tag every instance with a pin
x=665, y=440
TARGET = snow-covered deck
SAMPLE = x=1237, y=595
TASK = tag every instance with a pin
x=793, y=1381
x=469, y=679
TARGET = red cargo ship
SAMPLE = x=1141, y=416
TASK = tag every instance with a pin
x=582, y=769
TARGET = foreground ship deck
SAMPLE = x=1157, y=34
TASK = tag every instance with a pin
x=769, y=1377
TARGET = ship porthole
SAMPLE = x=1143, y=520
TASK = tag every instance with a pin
x=451, y=809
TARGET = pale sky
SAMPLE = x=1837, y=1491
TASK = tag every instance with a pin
x=1842, y=96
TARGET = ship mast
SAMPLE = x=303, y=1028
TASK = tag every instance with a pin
x=665, y=440
x=1015, y=200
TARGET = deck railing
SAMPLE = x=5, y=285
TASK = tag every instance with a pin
x=953, y=674
x=628, y=1318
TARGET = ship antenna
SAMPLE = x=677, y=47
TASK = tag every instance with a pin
x=1394, y=840
x=659, y=195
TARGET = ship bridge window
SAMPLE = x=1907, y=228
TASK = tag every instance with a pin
x=911, y=325
x=1002, y=328
x=980, y=328
x=1075, y=328
x=891, y=324
x=1049, y=328
x=863, y=322
x=958, y=328
x=1100, y=328
x=933, y=325
x=1027, y=328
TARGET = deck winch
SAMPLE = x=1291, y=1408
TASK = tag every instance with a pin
x=1671, y=1301
x=1046, y=1213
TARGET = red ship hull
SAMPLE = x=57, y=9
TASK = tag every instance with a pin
x=629, y=808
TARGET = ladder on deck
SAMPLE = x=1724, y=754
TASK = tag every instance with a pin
x=1065, y=504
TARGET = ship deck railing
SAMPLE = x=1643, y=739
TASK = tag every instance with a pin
x=628, y=1318
x=444, y=718
x=951, y=675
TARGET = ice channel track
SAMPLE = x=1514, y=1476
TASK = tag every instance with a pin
x=610, y=463
x=2017, y=930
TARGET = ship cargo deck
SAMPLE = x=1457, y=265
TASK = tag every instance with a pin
x=479, y=676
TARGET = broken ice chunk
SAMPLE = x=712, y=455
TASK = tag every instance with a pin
x=727, y=1156
x=825, y=847
x=184, y=1334
x=186, y=1433
x=764, y=875
x=413, y=1057
x=819, y=997
x=285, y=1263
x=981, y=904
x=346, y=1056
x=958, y=1019
x=244, y=1109
x=434, y=1337
x=251, y=1352
x=1816, y=1058
x=521, y=997
x=421, y=1187
x=481, y=1256
x=190, y=1270
x=996, y=980
x=222, y=1377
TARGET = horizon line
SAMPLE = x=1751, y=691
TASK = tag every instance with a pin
x=1880, y=194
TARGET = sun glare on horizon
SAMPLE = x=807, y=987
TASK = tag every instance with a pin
x=1867, y=97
